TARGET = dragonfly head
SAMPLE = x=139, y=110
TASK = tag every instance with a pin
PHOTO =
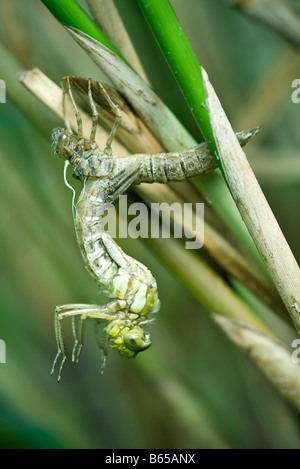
x=129, y=341
x=137, y=340
x=64, y=143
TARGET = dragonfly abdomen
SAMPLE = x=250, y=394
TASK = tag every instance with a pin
x=90, y=210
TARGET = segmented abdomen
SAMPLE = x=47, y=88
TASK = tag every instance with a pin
x=119, y=275
x=176, y=166
x=90, y=209
x=172, y=167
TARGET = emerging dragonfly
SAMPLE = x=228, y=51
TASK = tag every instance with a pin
x=129, y=284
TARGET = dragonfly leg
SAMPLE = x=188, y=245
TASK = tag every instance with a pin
x=103, y=345
x=108, y=312
x=77, y=328
x=105, y=352
x=95, y=114
x=66, y=120
x=77, y=113
x=117, y=122
x=60, y=346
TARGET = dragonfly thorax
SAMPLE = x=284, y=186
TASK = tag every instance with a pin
x=92, y=164
x=85, y=159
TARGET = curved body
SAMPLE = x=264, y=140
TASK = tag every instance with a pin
x=119, y=275
x=129, y=284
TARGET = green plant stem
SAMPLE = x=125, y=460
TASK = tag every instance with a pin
x=182, y=61
x=70, y=13
x=187, y=71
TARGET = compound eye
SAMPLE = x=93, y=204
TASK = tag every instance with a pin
x=62, y=142
x=137, y=340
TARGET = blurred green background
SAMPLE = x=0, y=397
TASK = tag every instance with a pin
x=193, y=388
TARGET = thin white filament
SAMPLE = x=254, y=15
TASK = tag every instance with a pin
x=69, y=186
